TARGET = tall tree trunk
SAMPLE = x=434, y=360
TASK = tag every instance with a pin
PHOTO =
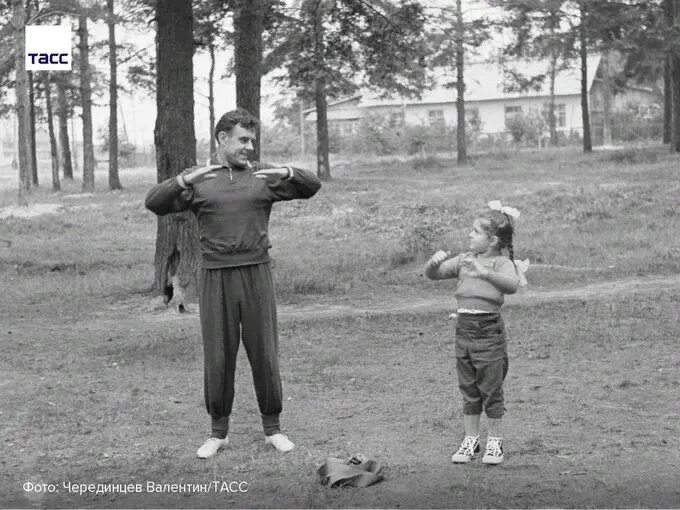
x=301, y=115
x=64, y=142
x=323, y=169
x=248, y=26
x=114, y=179
x=74, y=142
x=585, y=114
x=211, y=99
x=177, y=258
x=56, y=186
x=460, y=86
x=552, y=121
x=606, y=99
x=34, y=153
x=86, y=97
x=675, y=80
x=22, y=100
x=667, y=7
x=667, y=100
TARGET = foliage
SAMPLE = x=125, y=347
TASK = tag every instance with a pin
x=362, y=45
x=281, y=141
x=125, y=149
x=527, y=127
x=375, y=134
x=442, y=37
x=633, y=123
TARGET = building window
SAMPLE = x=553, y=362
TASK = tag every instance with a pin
x=397, y=118
x=512, y=110
x=435, y=116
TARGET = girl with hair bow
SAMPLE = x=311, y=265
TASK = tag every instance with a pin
x=484, y=277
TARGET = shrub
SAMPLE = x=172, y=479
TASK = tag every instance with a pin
x=373, y=135
x=526, y=127
x=429, y=163
x=633, y=156
x=279, y=141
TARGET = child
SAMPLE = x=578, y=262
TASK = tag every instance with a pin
x=484, y=277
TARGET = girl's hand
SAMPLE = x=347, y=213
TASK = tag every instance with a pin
x=474, y=268
x=439, y=257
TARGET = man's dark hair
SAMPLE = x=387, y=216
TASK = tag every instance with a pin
x=239, y=116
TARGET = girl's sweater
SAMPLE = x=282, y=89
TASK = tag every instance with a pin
x=476, y=293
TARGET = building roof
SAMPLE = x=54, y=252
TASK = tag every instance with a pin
x=484, y=82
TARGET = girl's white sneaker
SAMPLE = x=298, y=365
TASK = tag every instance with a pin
x=494, y=451
x=467, y=450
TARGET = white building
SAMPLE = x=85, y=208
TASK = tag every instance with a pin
x=487, y=95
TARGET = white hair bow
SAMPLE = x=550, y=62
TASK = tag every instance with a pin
x=522, y=267
x=495, y=205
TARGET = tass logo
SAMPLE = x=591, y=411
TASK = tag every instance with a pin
x=48, y=47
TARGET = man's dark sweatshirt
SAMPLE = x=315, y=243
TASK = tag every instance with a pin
x=232, y=210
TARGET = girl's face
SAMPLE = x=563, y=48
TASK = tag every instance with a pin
x=480, y=241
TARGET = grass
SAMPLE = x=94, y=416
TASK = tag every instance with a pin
x=376, y=224
x=582, y=431
x=101, y=386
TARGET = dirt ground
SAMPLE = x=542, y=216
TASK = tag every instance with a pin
x=113, y=395
x=101, y=386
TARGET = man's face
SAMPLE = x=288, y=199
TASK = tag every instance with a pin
x=236, y=146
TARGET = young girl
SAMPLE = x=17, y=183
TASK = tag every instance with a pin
x=484, y=277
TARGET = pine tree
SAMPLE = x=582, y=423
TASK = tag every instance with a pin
x=176, y=259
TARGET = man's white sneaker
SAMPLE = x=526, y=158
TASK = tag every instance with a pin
x=211, y=447
x=467, y=450
x=494, y=451
x=280, y=442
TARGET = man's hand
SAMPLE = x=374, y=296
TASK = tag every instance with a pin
x=201, y=173
x=273, y=174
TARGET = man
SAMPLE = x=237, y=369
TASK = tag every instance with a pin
x=232, y=204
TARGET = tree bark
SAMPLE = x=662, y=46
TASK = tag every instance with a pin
x=248, y=26
x=606, y=99
x=177, y=259
x=667, y=7
x=552, y=121
x=34, y=156
x=667, y=100
x=22, y=100
x=74, y=142
x=86, y=97
x=460, y=86
x=56, y=185
x=323, y=169
x=64, y=142
x=585, y=114
x=675, y=80
x=211, y=100
x=301, y=115
x=114, y=179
